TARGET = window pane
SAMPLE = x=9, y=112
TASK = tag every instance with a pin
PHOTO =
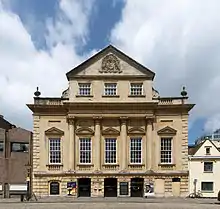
x=84, y=89
x=19, y=147
x=136, y=89
x=110, y=150
x=166, y=150
x=85, y=150
x=55, y=151
x=135, y=150
x=110, y=89
x=207, y=186
x=208, y=166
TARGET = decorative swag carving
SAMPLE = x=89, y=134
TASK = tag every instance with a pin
x=110, y=131
x=136, y=130
x=84, y=131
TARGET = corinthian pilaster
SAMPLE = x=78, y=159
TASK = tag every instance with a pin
x=149, y=144
x=97, y=153
x=124, y=142
x=71, y=122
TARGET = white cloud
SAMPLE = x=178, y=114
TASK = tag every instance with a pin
x=179, y=40
x=23, y=66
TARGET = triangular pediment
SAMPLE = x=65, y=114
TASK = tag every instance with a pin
x=136, y=130
x=201, y=148
x=167, y=131
x=54, y=131
x=110, y=62
x=84, y=131
x=110, y=131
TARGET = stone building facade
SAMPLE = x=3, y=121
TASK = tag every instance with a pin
x=110, y=133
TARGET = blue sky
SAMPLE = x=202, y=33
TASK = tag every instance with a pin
x=50, y=37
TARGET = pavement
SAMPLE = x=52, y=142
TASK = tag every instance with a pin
x=110, y=203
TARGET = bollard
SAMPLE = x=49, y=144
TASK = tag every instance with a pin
x=22, y=198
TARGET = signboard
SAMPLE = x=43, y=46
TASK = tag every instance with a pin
x=149, y=190
x=18, y=187
x=54, y=188
x=71, y=187
x=123, y=188
x=71, y=184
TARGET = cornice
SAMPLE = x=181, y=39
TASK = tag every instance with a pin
x=116, y=173
x=110, y=107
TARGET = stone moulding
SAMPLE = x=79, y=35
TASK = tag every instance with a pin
x=110, y=131
x=167, y=131
x=84, y=131
x=136, y=130
x=116, y=173
x=54, y=131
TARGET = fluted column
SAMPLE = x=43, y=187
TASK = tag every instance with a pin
x=149, y=144
x=72, y=159
x=97, y=150
x=124, y=143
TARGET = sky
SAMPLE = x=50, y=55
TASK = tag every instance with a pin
x=179, y=40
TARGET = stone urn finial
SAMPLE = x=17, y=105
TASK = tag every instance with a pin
x=37, y=93
x=184, y=92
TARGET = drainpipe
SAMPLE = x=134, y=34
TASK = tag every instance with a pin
x=6, y=166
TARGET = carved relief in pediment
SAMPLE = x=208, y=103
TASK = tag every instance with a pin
x=110, y=64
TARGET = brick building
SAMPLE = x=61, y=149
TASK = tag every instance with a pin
x=14, y=156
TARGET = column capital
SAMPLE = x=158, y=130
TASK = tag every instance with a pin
x=123, y=119
x=70, y=119
x=97, y=119
x=149, y=118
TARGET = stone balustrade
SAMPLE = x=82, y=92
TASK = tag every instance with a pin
x=49, y=101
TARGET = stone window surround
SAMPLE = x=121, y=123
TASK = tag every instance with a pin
x=54, y=133
x=90, y=89
x=167, y=132
x=142, y=90
x=82, y=132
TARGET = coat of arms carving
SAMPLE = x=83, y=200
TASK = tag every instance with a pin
x=110, y=64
